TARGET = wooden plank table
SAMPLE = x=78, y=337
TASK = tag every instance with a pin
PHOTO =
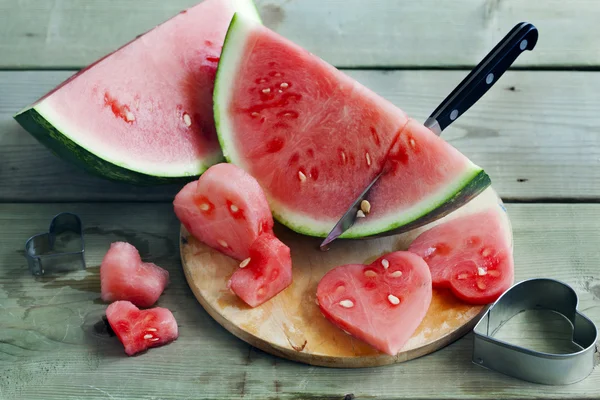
x=537, y=133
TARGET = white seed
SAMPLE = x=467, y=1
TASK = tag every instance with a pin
x=412, y=143
x=267, y=90
x=284, y=85
x=396, y=274
x=148, y=336
x=360, y=214
x=486, y=252
x=462, y=276
x=155, y=339
x=151, y=330
x=280, y=91
x=255, y=114
x=347, y=303
x=493, y=273
x=245, y=263
x=385, y=263
x=346, y=332
x=277, y=74
x=343, y=157
x=187, y=119
x=481, y=271
x=262, y=81
x=204, y=207
x=481, y=285
x=368, y=157
x=129, y=116
x=222, y=243
x=365, y=206
x=301, y=176
x=234, y=208
x=370, y=273
x=393, y=299
x=260, y=291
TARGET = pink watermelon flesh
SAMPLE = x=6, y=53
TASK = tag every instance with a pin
x=382, y=303
x=138, y=329
x=266, y=272
x=148, y=105
x=470, y=255
x=123, y=276
x=225, y=209
x=314, y=137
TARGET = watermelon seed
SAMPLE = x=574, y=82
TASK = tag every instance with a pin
x=368, y=157
x=347, y=303
x=346, y=332
x=284, y=85
x=223, y=243
x=396, y=274
x=343, y=157
x=280, y=91
x=260, y=291
x=462, y=276
x=148, y=336
x=301, y=176
x=155, y=339
x=481, y=271
x=277, y=74
x=360, y=214
x=412, y=143
x=493, y=273
x=151, y=329
x=187, y=119
x=244, y=263
x=385, y=263
x=370, y=274
x=365, y=206
x=481, y=285
x=393, y=299
x=267, y=90
x=486, y=252
x=129, y=117
x=204, y=207
x=234, y=208
x=255, y=114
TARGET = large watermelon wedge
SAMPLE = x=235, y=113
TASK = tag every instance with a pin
x=313, y=138
x=143, y=113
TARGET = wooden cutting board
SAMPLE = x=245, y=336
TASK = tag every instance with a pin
x=291, y=325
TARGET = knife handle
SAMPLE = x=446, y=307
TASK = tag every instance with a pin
x=522, y=37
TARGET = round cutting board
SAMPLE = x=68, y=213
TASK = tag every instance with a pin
x=291, y=325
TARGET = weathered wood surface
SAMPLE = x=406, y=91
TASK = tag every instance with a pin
x=537, y=133
x=348, y=33
x=49, y=348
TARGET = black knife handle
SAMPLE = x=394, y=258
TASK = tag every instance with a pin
x=522, y=37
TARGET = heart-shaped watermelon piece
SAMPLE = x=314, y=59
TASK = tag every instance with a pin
x=138, y=329
x=471, y=255
x=382, y=303
x=124, y=276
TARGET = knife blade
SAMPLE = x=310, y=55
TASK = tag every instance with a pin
x=523, y=36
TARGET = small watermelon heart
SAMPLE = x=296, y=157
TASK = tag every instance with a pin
x=138, y=329
x=382, y=303
x=123, y=276
x=470, y=255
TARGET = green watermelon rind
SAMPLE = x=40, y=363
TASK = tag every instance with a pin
x=467, y=186
x=41, y=122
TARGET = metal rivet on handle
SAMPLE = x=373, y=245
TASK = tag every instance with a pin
x=489, y=79
x=523, y=44
x=454, y=115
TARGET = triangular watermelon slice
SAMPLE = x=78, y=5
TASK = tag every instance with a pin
x=313, y=138
x=143, y=113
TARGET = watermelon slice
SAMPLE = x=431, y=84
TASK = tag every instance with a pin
x=382, y=303
x=265, y=273
x=470, y=255
x=313, y=138
x=225, y=209
x=123, y=276
x=138, y=329
x=143, y=113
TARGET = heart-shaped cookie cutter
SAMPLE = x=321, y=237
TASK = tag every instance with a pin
x=40, y=250
x=530, y=365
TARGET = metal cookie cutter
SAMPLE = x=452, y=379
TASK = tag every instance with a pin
x=526, y=364
x=45, y=253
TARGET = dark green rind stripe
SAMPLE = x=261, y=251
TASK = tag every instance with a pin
x=70, y=151
x=468, y=192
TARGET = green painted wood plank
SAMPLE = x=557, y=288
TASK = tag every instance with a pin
x=49, y=348
x=350, y=33
x=536, y=134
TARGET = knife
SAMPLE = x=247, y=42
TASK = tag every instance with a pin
x=521, y=37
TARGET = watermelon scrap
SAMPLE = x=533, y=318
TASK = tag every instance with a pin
x=469, y=255
x=139, y=330
x=314, y=138
x=382, y=303
x=143, y=114
x=123, y=276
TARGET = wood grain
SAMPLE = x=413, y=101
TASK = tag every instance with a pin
x=49, y=348
x=347, y=33
x=536, y=133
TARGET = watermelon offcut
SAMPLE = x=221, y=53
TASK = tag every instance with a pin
x=314, y=138
x=143, y=114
